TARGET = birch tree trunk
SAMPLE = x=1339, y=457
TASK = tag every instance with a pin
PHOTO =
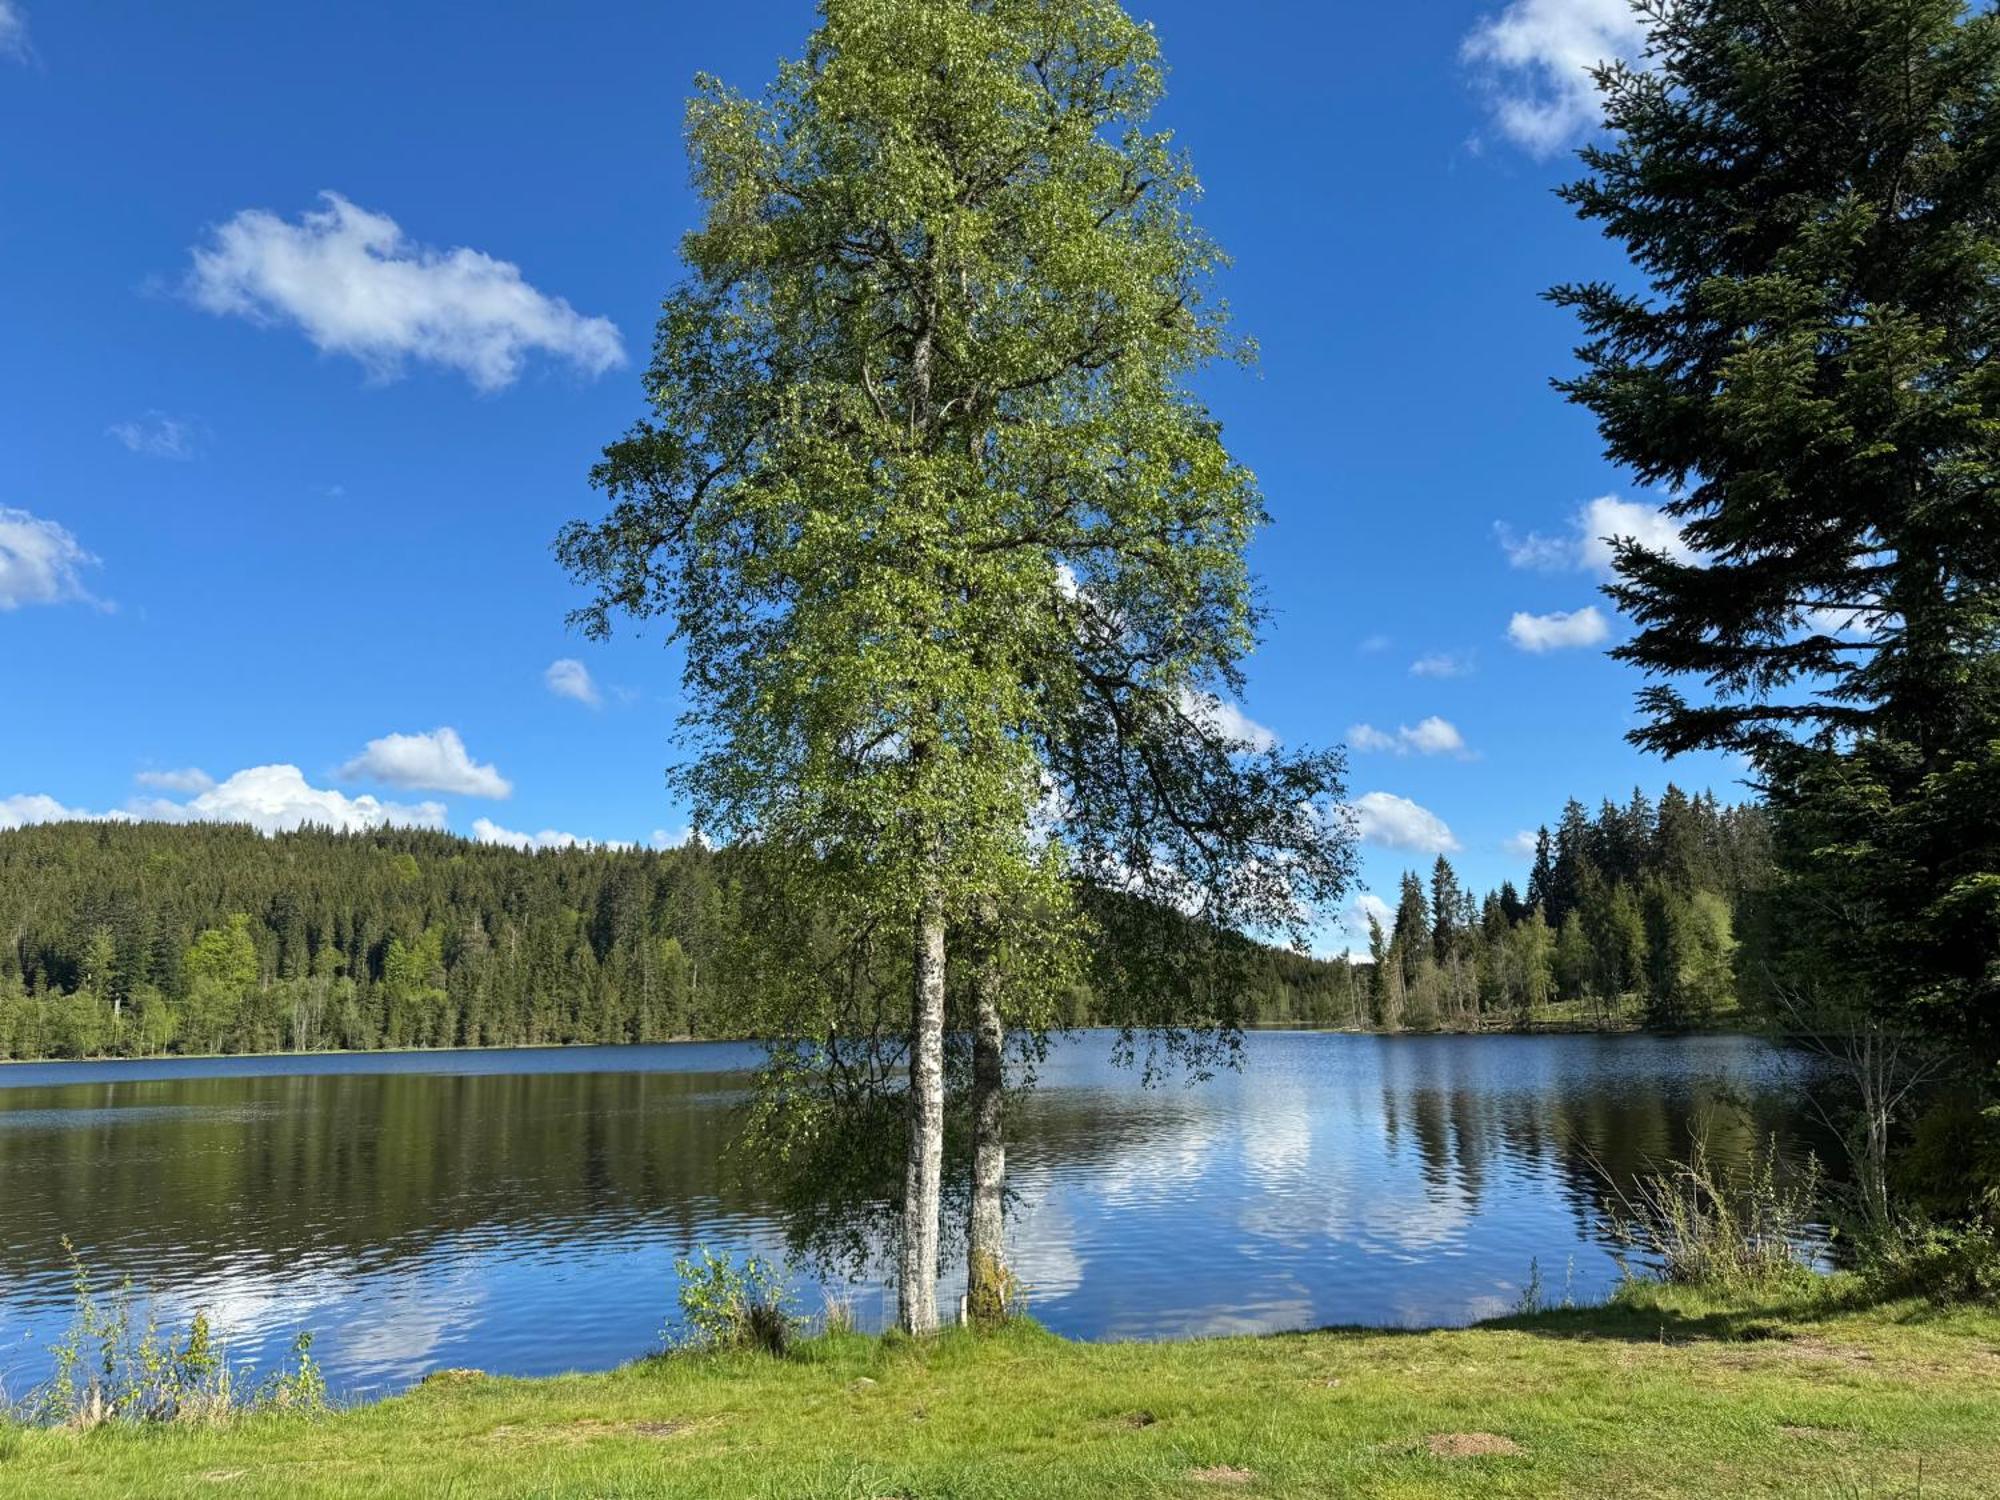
x=916, y=1291
x=985, y=1271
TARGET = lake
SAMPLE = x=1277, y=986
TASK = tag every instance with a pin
x=520, y=1212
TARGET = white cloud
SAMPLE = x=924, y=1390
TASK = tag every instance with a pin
x=1432, y=736
x=489, y=832
x=1521, y=845
x=1534, y=59
x=1351, y=937
x=1441, y=664
x=13, y=31
x=269, y=798
x=434, y=762
x=184, y=781
x=158, y=435
x=1398, y=823
x=1371, y=645
x=32, y=807
x=276, y=798
x=1588, y=546
x=354, y=284
x=677, y=838
x=1557, y=631
x=40, y=562
x=1220, y=716
x=569, y=678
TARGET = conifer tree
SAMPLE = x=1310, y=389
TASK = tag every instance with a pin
x=1810, y=190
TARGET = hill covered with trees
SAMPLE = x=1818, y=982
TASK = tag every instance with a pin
x=134, y=939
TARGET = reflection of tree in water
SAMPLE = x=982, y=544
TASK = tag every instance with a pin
x=187, y=1177
x=373, y=1168
x=1593, y=1139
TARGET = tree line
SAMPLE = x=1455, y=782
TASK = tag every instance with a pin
x=1637, y=914
x=130, y=939
x=149, y=939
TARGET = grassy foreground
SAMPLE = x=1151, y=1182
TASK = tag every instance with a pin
x=1661, y=1395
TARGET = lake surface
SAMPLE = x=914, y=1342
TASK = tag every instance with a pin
x=520, y=1212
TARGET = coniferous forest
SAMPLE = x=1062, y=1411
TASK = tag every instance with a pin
x=140, y=939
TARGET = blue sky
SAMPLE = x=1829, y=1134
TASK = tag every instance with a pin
x=313, y=318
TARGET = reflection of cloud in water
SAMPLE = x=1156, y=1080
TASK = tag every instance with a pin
x=1411, y=1224
x=395, y=1336
x=1042, y=1247
x=415, y=1219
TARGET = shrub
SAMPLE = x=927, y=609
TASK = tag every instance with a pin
x=727, y=1306
x=110, y=1367
x=1943, y=1262
x=1704, y=1230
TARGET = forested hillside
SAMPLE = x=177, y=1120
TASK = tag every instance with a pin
x=139, y=938
x=133, y=939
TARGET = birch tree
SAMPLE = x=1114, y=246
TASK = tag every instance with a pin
x=957, y=561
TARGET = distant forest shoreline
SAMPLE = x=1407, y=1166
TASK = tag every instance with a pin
x=192, y=940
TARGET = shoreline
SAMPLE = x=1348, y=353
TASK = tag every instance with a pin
x=1551, y=1028
x=1660, y=1392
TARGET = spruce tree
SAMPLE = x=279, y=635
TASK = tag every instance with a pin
x=1810, y=190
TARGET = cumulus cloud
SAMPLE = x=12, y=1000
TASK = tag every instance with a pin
x=677, y=838
x=1398, y=823
x=40, y=562
x=567, y=677
x=489, y=832
x=13, y=31
x=157, y=435
x=1220, y=716
x=272, y=799
x=1558, y=631
x=434, y=762
x=1441, y=664
x=1521, y=845
x=1352, y=935
x=1586, y=547
x=354, y=284
x=1533, y=61
x=1432, y=736
x=185, y=781
x=277, y=798
x=24, y=808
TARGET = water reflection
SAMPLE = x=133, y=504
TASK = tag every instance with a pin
x=521, y=1211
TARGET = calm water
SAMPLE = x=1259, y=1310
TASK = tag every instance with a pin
x=521, y=1211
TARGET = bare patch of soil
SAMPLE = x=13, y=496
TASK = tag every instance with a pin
x=1471, y=1445
x=1223, y=1474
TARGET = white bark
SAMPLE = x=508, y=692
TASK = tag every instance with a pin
x=916, y=1290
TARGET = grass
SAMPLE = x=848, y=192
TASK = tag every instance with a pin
x=1662, y=1393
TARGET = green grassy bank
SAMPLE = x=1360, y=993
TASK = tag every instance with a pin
x=1662, y=1395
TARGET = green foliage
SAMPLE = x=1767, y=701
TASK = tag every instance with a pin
x=727, y=1305
x=487, y=946
x=109, y=1369
x=1633, y=916
x=1702, y=1228
x=1807, y=189
x=1947, y=1263
x=928, y=500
